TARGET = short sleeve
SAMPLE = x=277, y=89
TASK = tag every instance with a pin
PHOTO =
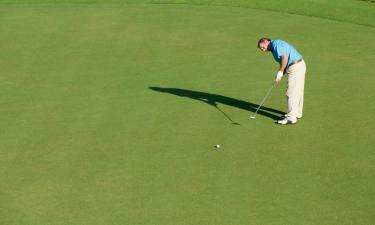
x=282, y=49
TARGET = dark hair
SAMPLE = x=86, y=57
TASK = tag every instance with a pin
x=263, y=40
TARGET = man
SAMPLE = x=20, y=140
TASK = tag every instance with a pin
x=293, y=65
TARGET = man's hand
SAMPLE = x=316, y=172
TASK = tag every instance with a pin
x=278, y=77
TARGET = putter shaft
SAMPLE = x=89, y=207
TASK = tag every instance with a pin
x=264, y=99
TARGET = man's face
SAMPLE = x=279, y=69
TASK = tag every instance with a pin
x=264, y=46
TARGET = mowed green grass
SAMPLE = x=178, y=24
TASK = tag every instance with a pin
x=87, y=138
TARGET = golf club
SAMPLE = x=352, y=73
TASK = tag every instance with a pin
x=264, y=99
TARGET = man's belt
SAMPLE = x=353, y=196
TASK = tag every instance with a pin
x=295, y=62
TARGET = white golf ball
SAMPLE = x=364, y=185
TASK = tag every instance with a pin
x=217, y=146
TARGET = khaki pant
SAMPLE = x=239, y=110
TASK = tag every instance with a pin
x=295, y=90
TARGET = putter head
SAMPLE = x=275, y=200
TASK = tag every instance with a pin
x=252, y=117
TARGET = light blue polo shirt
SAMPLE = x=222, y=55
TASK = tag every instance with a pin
x=280, y=47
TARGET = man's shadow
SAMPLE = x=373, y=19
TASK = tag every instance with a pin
x=214, y=99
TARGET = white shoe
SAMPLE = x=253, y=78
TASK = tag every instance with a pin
x=286, y=122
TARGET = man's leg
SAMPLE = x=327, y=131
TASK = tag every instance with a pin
x=301, y=71
x=300, y=107
x=291, y=94
x=295, y=90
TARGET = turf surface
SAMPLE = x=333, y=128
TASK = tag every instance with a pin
x=109, y=114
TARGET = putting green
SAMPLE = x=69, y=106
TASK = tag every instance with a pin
x=110, y=113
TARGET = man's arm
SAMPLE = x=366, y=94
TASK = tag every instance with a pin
x=280, y=73
x=284, y=61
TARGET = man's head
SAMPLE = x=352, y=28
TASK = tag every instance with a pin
x=264, y=44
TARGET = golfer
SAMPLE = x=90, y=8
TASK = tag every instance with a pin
x=291, y=64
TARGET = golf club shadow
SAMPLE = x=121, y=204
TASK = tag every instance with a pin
x=214, y=99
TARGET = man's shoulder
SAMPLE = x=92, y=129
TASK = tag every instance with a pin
x=279, y=46
x=279, y=42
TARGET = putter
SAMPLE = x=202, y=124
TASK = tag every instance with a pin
x=264, y=99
